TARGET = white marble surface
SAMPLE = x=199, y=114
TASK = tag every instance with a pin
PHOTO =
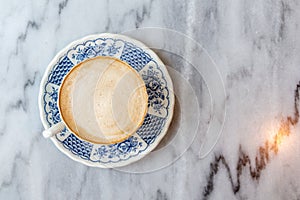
x=255, y=45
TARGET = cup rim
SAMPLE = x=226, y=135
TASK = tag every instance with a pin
x=93, y=141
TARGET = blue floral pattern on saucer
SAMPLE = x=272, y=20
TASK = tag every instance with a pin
x=160, y=101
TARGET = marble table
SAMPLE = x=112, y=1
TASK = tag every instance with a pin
x=244, y=98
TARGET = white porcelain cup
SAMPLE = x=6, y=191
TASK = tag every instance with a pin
x=101, y=100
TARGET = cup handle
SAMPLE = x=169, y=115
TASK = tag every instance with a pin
x=53, y=130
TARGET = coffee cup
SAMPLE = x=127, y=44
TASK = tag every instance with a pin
x=102, y=100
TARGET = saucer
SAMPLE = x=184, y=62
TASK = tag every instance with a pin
x=160, y=100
